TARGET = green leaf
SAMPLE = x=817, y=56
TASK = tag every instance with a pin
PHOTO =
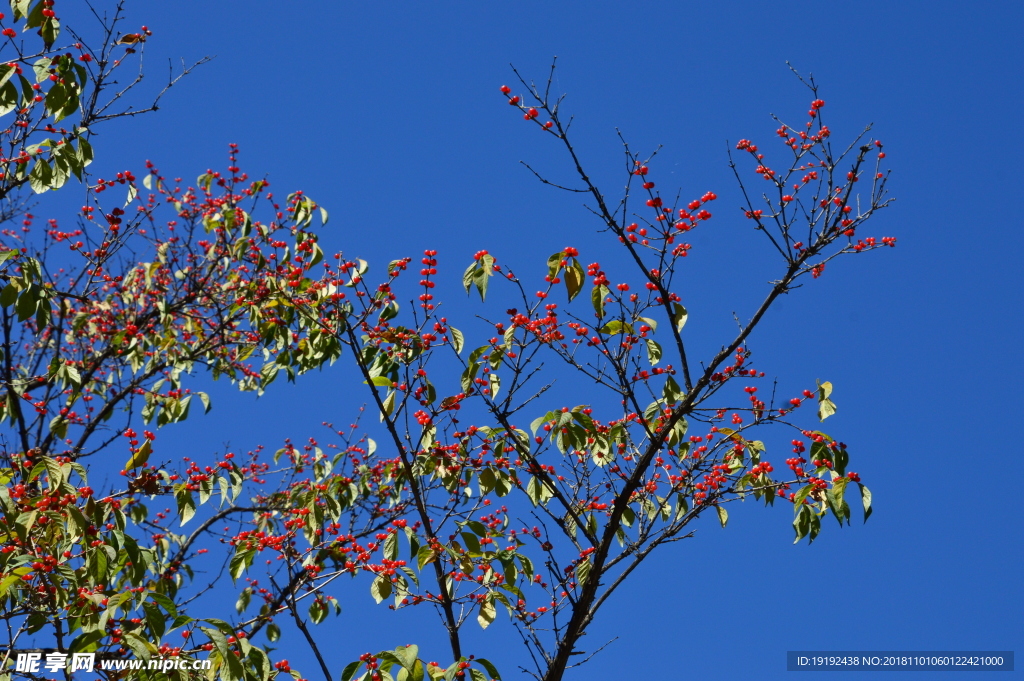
x=14, y=578
x=380, y=589
x=815, y=527
x=8, y=295
x=478, y=274
x=424, y=556
x=798, y=499
x=39, y=178
x=555, y=263
x=20, y=8
x=406, y=655
x=537, y=492
x=258, y=660
x=540, y=421
x=137, y=645
x=653, y=351
x=317, y=612
x=389, y=405
x=219, y=640
x=41, y=67
x=487, y=612
x=28, y=303
x=244, y=597
x=391, y=546
x=865, y=497
x=60, y=170
x=723, y=515
x=508, y=338
x=240, y=562
x=472, y=543
x=679, y=316
x=350, y=670
x=186, y=505
x=9, y=100
x=428, y=437
x=50, y=30
x=140, y=457
x=155, y=619
x=59, y=427
x=458, y=340
x=43, y=312
x=477, y=527
x=597, y=296
x=418, y=672
x=56, y=99
x=467, y=277
x=617, y=326
x=495, y=385
x=491, y=669
x=6, y=71
x=85, y=153
x=802, y=523
x=826, y=407
x=583, y=571
x=671, y=390
x=575, y=276
x=835, y=499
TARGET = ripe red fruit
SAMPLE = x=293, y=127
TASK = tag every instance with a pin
x=505, y=89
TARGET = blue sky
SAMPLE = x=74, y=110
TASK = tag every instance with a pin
x=388, y=113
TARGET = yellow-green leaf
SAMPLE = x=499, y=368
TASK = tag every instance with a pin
x=140, y=457
x=487, y=613
x=826, y=407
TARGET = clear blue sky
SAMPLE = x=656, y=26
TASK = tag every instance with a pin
x=388, y=113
